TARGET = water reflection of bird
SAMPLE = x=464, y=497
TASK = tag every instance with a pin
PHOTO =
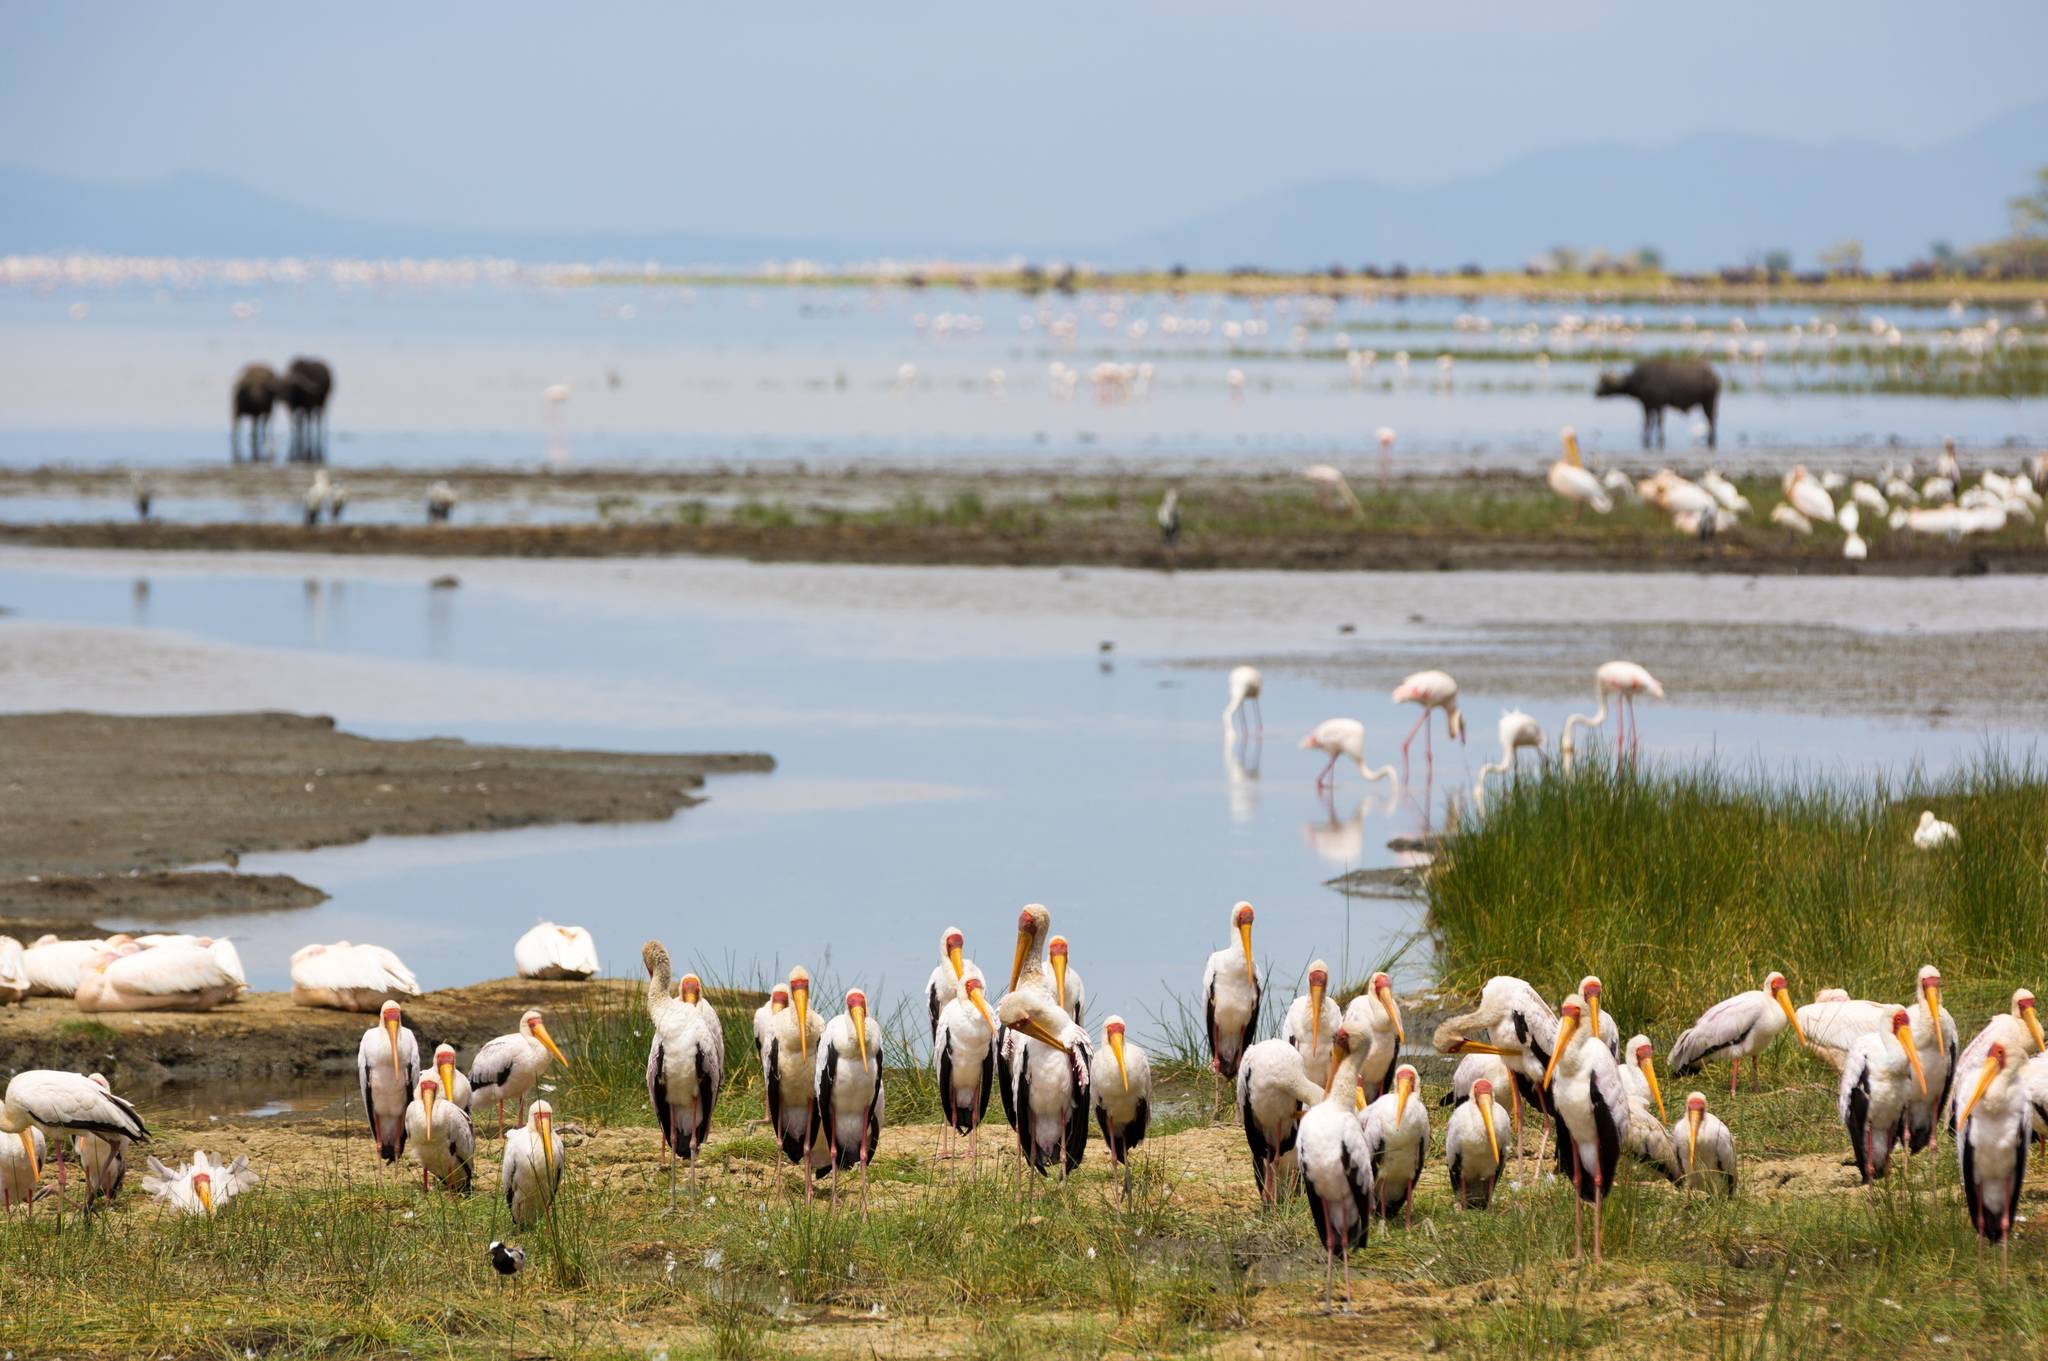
x=1241, y=775
x=1339, y=842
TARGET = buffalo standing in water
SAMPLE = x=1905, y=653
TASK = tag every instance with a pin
x=1660, y=383
x=306, y=387
x=257, y=388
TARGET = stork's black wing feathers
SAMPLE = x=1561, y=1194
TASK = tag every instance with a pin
x=707, y=1097
x=1007, y=1079
x=1263, y=1153
x=1361, y=1202
x=1077, y=1110
x=988, y=1068
x=657, y=1092
x=1857, y=1122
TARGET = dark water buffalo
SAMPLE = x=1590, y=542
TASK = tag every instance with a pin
x=1658, y=383
x=257, y=388
x=307, y=384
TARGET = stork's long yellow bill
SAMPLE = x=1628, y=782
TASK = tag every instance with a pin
x=1904, y=1035
x=205, y=1192
x=1393, y=1012
x=447, y=1072
x=1656, y=1093
x=1315, y=1013
x=427, y=1100
x=544, y=1126
x=1983, y=1085
x=1692, y=1135
x=860, y=1033
x=1565, y=1028
x=540, y=1032
x=1116, y=1047
x=1039, y=1031
x=955, y=957
x=28, y=1146
x=1484, y=1100
x=1059, y=979
x=1784, y=996
x=1024, y=941
x=800, y=998
x=1244, y=936
x=391, y=1033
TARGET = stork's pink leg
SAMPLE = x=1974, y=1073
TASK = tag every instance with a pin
x=1409, y=741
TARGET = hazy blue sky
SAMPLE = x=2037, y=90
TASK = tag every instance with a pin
x=969, y=121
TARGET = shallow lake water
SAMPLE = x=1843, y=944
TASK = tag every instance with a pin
x=951, y=745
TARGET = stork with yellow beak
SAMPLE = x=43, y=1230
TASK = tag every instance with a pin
x=1992, y=1133
x=790, y=1066
x=1120, y=1078
x=1396, y=1130
x=1934, y=1031
x=964, y=1057
x=506, y=1068
x=454, y=1082
x=387, y=1067
x=1052, y=1067
x=685, y=1063
x=1312, y=1019
x=1591, y=1109
x=1027, y=972
x=1273, y=1089
x=1336, y=1168
x=1515, y=1025
x=847, y=1097
x=1591, y=992
x=21, y=1166
x=1706, y=1150
x=1877, y=1077
x=62, y=1106
x=532, y=1171
x=954, y=967
x=1473, y=1139
x=2019, y=1030
x=764, y=1029
x=1740, y=1027
x=1230, y=997
x=1376, y=1016
x=202, y=1187
x=441, y=1137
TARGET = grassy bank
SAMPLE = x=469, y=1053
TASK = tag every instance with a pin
x=1682, y=886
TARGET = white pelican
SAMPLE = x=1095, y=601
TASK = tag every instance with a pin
x=201, y=1187
x=1570, y=478
x=1245, y=686
x=1432, y=690
x=964, y=1059
x=954, y=966
x=1052, y=1088
x=1592, y=1113
x=63, y=1105
x=220, y=947
x=1786, y=517
x=1273, y=1088
x=1624, y=681
x=1872, y=1096
x=349, y=977
x=1472, y=1141
x=532, y=1170
x=685, y=1068
x=441, y=1137
x=14, y=980
x=1230, y=997
x=788, y=1065
x=1808, y=496
x=551, y=951
x=1934, y=1031
x=506, y=1068
x=21, y=1163
x=175, y=977
x=1517, y=730
x=53, y=966
x=454, y=1082
x=1120, y=1081
x=1067, y=990
x=848, y=1092
x=764, y=1028
x=1992, y=1134
x=1374, y=1020
x=2018, y=1029
x=1335, y=737
x=1933, y=833
x=1397, y=1140
x=1336, y=1167
x=388, y=1067
x=1312, y=1019
x=1706, y=1150
x=1741, y=1027
x=104, y=1157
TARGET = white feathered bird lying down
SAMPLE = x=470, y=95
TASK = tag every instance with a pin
x=201, y=1187
x=551, y=951
x=349, y=977
x=14, y=983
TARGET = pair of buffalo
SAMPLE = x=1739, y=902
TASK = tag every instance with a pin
x=304, y=388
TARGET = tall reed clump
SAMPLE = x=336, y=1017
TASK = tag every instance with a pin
x=1679, y=887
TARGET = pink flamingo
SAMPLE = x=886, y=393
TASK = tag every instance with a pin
x=1337, y=737
x=1433, y=690
x=1623, y=680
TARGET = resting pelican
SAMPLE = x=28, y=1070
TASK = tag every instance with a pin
x=454, y=1082
x=2019, y=1030
x=1592, y=1113
x=441, y=1137
x=1374, y=1020
x=1336, y=1167
x=53, y=966
x=63, y=1105
x=848, y=1092
x=14, y=980
x=1312, y=1019
x=1808, y=496
x=1472, y=1143
x=220, y=947
x=201, y=1187
x=551, y=951
x=21, y=1163
x=1336, y=737
x=1706, y=1150
x=1067, y=990
x=1934, y=1032
x=506, y=1068
x=1872, y=1096
x=788, y=1066
x=1624, y=681
x=388, y=1068
x=1571, y=479
x=1517, y=730
x=1932, y=833
x=104, y=1157
x=1992, y=1134
x=964, y=1059
x=1230, y=997
x=1120, y=1081
x=1245, y=686
x=1052, y=1080
x=532, y=1170
x=1397, y=1140
x=349, y=977
x=1432, y=690
x=764, y=1028
x=1741, y=1027
x=175, y=977
x=954, y=966
x=1273, y=1088
x=685, y=1068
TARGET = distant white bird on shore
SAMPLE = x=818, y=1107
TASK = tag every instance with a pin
x=53, y=966
x=1168, y=518
x=173, y=977
x=1932, y=833
x=1331, y=485
x=440, y=503
x=315, y=499
x=1786, y=517
x=1807, y=496
x=349, y=977
x=558, y=952
x=1245, y=686
x=1572, y=480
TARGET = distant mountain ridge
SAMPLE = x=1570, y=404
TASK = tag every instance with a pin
x=1706, y=200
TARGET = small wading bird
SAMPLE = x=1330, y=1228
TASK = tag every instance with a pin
x=63, y=1106
x=441, y=1137
x=532, y=1169
x=349, y=977
x=1245, y=686
x=954, y=968
x=1706, y=1150
x=1432, y=690
x=201, y=1187
x=847, y=1106
x=1741, y=1027
x=506, y=1261
x=1517, y=730
x=1872, y=1095
x=1168, y=517
x=685, y=1066
x=551, y=951
x=1397, y=1139
x=1592, y=1113
x=1230, y=997
x=1336, y=1169
x=1273, y=1089
x=964, y=1060
x=1573, y=481
x=1336, y=737
x=1992, y=1133
x=1624, y=681
x=506, y=1068
x=1472, y=1143
x=1312, y=1019
x=1120, y=1080
x=388, y=1068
